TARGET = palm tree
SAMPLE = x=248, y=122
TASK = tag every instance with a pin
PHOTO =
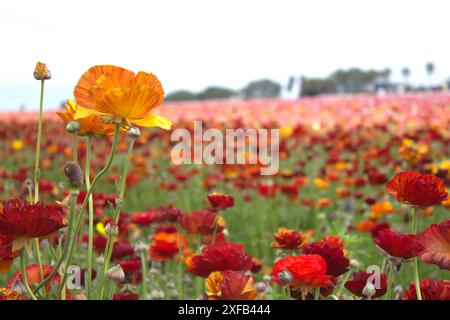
x=430, y=68
x=406, y=73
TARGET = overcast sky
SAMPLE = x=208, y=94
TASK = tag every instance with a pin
x=193, y=44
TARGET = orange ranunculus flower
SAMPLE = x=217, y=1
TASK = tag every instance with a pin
x=230, y=285
x=119, y=95
x=422, y=190
x=166, y=243
x=6, y=294
x=380, y=209
x=89, y=125
x=291, y=239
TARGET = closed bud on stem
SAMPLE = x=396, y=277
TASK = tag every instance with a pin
x=261, y=287
x=140, y=247
x=134, y=133
x=285, y=276
x=369, y=290
x=73, y=174
x=116, y=274
x=112, y=229
x=73, y=127
x=41, y=72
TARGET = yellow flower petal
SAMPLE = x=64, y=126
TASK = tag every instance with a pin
x=85, y=112
x=153, y=120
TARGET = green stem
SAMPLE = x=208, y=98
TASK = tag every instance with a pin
x=390, y=281
x=69, y=246
x=116, y=213
x=91, y=219
x=37, y=253
x=144, y=275
x=317, y=294
x=24, y=276
x=37, y=172
x=415, y=262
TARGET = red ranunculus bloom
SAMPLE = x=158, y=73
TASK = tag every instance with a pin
x=290, y=239
x=436, y=242
x=143, y=218
x=18, y=219
x=165, y=244
x=359, y=281
x=125, y=296
x=430, y=289
x=201, y=222
x=403, y=246
x=308, y=271
x=222, y=255
x=33, y=277
x=377, y=228
x=337, y=263
x=417, y=189
x=220, y=201
x=6, y=254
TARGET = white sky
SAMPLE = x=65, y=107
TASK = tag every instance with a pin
x=190, y=44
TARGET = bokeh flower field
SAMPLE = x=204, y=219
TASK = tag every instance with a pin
x=335, y=214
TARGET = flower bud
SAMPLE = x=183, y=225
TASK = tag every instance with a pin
x=73, y=127
x=260, y=287
x=157, y=294
x=73, y=174
x=134, y=133
x=100, y=260
x=41, y=72
x=112, y=229
x=369, y=290
x=284, y=276
x=116, y=274
x=354, y=263
x=140, y=247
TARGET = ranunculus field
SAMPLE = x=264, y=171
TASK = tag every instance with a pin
x=94, y=207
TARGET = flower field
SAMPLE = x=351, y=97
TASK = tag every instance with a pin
x=93, y=207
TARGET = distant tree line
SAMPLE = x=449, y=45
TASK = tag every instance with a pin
x=349, y=81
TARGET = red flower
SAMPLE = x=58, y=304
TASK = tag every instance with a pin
x=436, y=242
x=18, y=219
x=290, y=239
x=165, y=244
x=359, y=281
x=417, y=189
x=337, y=263
x=201, y=222
x=377, y=228
x=307, y=270
x=221, y=256
x=403, y=246
x=256, y=265
x=125, y=296
x=430, y=289
x=133, y=270
x=33, y=277
x=220, y=201
x=143, y=218
x=6, y=255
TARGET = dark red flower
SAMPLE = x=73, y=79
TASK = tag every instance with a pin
x=417, y=189
x=18, y=219
x=430, y=290
x=256, y=265
x=125, y=296
x=220, y=256
x=143, y=218
x=359, y=281
x=122, y=249
x=436, y=242
x=220, y=201
x=377, y=227
x=6, y=255
x=337, y=263
x=403, y=246
x=133, y=270
x=307, y=271
x=202, y=222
